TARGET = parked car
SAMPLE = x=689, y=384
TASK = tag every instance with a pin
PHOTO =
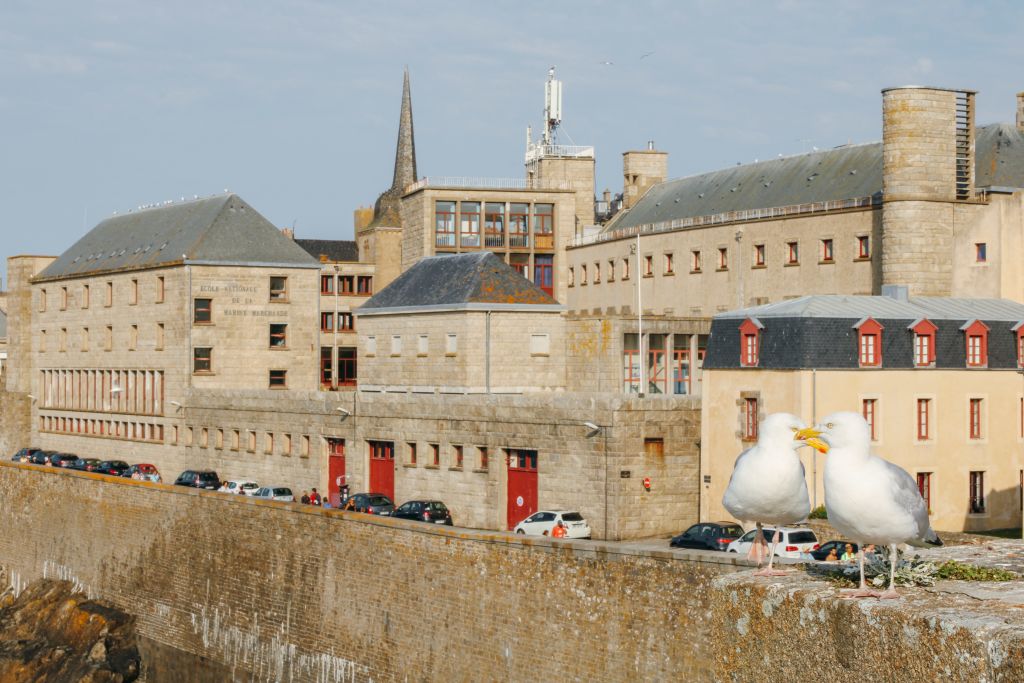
x=425, y=511
x=282, y=493
x=794, y=541
x=542, y=522
x=85, y=464
x=24, y=454
x=370, y=503
x=63, y=459
x=198, y=479
x=143, y=472
x=244, y=487
x=708, y=536
x=115, y=467
x=839, y=546
x=41, y=457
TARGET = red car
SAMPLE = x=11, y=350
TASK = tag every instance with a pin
x=143, y=472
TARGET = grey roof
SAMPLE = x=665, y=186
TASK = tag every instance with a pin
x=331, y=250
x=472, y=280
x=883, y=307
x=847, y=172
x=220, y=229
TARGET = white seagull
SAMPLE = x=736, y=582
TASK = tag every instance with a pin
x=868, y=499
x=768, y=484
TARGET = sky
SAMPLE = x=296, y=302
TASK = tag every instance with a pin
x=106, y=105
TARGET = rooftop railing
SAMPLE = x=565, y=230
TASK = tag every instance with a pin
x=488, y=183
x=535, y=152
x=727, y=217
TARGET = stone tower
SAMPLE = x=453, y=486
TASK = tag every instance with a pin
x=380, y=241
x=641, y=169
x=927, y=169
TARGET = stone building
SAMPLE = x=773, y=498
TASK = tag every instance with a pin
x=937, y=378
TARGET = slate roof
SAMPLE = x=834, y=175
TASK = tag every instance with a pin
x=222, y=229
x=846, y=172
x=818, y=332
x=331, y=250
x=479, y=280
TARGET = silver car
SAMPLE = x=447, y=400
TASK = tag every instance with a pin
x=282, y=493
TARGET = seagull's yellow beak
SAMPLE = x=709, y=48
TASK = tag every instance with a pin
x=809, y=435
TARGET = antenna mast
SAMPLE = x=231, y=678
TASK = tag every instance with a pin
x=552, y=107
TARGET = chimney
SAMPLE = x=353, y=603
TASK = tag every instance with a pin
x=607, y=196
x=288, y=232
x=1020, y=111
x=650, y=145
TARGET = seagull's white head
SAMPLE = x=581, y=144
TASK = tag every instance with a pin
x=781, y=428
x=846, y=430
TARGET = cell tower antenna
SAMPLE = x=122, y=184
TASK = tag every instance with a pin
x=552, y=107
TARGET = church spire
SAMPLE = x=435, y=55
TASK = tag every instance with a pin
x=387, y=209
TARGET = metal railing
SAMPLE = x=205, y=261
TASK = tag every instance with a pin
x=727, y=217
x=535, y=152
x=465, y=182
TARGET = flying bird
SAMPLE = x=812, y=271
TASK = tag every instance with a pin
x=607, y=63
x=647, y=54
x=768, y=484
x=868, y=499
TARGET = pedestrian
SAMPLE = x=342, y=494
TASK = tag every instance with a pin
x=327, y=504
x=832, y=556
x=305, y=498
x=559, y=530
x=850, y=555
x=314, y=498
x=344, y=494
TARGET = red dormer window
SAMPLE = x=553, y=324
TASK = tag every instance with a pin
x=976, y=336
x=750, y=342
x=1018, y=330
x=869, y=342
x=924, y=342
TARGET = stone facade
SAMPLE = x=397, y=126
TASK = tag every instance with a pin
x=642, y=169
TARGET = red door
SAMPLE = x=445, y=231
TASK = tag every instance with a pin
x=335, y=469
x=522, y=485
x=382, y=468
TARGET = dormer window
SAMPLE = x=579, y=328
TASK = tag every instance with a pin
x=869, y=342
x=1018, y=330
x=750, y=342
x=924, y=342
x=976, y=337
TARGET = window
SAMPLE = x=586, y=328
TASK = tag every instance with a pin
x=278, y=288
x=924, y=486
x=110, y=295
x=42, y=341
x=346, y=366
x=327, y=284
x=792, y=253
x=758, y=255
x=923, y=418
x=572, y=276
x=63, y=339
x=597, y=273
x=346, y=284
x=345, y=322
x=411, y=447
x=977, y=493
x=869, y=408
x=869, y=341
x=494, y=224
x=451, y=344
x=63, y=298
x=364, y=285
x=975, y=418
x=648, y=265
x=695, y=262
x=540, y=344
x=326, y=365
x=85, y=296
x=750, y=342
x=159, y=336
x=304, y=446
x=723, y=258
x=218, y=439
x=396, y=345
x=278, y=379
x=518, y=225
x=827, y=253
x=631, y=363
x=268, y=443
x=286, y=444
x=236, y=439
x=469, y=224
x=202, y=313
x=611, y=270
x=625, y=268
x=976, y=333
x=85, y=339
x=327, y=322
x=202, y=359
x=1018, y=330
x=160, y=289
x=543, y=225
x=482, y=453
x=444, y=224
x=371, y=346
x=583, y=274
x=457, y=452
x=435, y=455
x=669, y=264
x=278, y=335
x=750, y=419
x=422, y=344
x=42, y=300
x=251, y=439
x=981, y=252
x=204, y=437
x=863, y=247
x=109, y=343
x=133, y=338
x=133, y=293
x=924, y=343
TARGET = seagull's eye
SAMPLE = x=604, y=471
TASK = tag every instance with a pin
x=830, y=425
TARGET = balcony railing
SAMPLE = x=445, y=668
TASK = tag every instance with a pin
x=519, y=241
x=535, y=152
x=494, y=239
x=444, y=239
x=464, y=182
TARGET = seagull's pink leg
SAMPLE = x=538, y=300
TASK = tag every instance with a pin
x=757, y=548
x=768, y=571
x=863, y=591
x=890, y=593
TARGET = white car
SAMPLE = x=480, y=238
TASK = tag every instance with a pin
x=245, y=487
x=795, y=541
x=282, y=493
x=541, y=523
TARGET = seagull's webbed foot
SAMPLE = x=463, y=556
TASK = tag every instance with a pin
x=890, y=594
x=854, y=593
x=771, y=571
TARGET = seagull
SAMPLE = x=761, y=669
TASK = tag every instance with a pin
x=647, y=54
x=869, y=499
x=606, y=63
x=768, y=483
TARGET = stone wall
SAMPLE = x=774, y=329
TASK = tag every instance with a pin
x=249, y=590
